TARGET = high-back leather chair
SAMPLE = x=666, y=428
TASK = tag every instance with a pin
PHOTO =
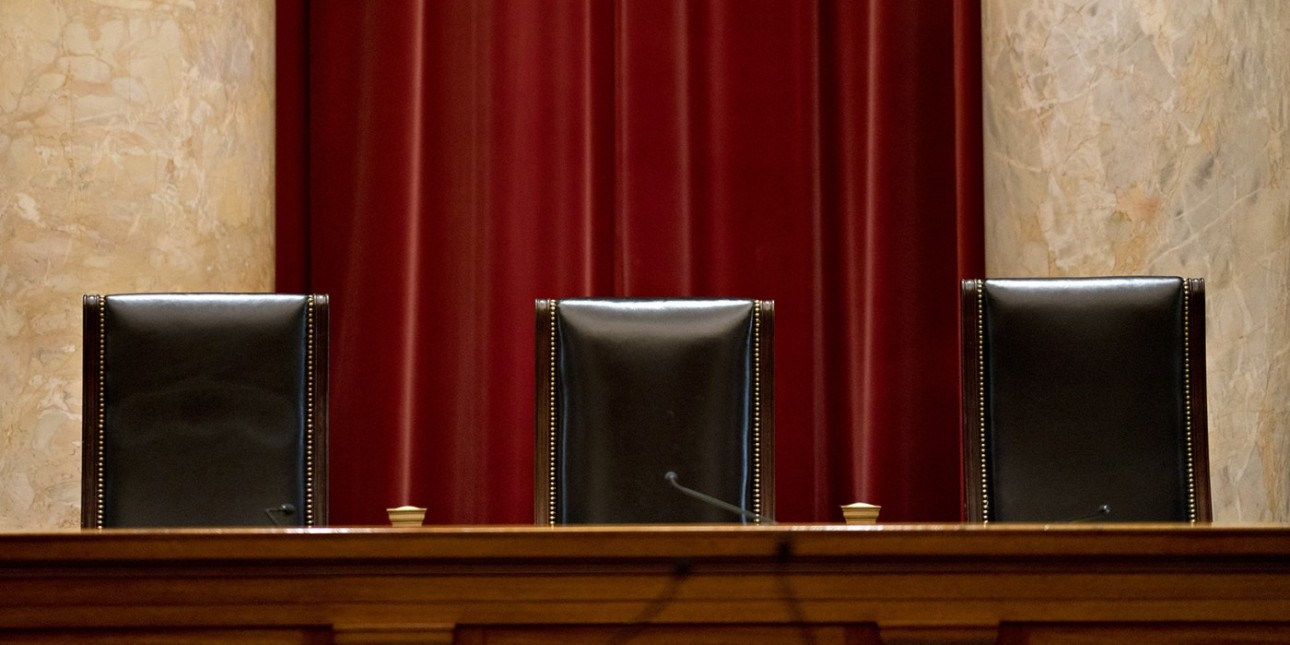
x=204, y=410
x=629, y=390
x=1084, y=399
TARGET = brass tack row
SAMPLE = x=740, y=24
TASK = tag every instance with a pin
x=980, y=392
x=102, y=420
x=551, y=399
x=309, y=411
x=756, y=370
x=1186, y=330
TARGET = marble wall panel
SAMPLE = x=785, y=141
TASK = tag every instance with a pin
x=136, y=154
x=1149, y=137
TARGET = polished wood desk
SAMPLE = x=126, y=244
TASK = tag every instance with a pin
x=813, y=584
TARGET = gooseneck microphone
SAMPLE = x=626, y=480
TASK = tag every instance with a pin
x=1101, y=512
x=283, y=510
x=708, y=499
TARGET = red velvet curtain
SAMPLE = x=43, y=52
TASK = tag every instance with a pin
x=442, y=164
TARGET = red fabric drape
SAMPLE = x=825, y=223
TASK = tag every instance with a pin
x=443, y=164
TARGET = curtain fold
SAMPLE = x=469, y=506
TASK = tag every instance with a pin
x=456, y=160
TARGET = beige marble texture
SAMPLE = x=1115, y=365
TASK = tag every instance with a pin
x=136, y=154
x=1149, y=137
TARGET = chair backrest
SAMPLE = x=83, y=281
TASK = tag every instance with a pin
x=1084, y=399
x=631, y=389
x=204, y=410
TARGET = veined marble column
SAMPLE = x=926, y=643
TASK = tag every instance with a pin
x=136, y=154
x=1149, y=137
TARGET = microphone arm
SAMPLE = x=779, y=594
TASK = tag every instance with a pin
x=1103, y=510
x=708, y=499
x=284, y=510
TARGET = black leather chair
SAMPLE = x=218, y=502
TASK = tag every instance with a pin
x=204, y=410
x=1084, y=399
x=629, y=390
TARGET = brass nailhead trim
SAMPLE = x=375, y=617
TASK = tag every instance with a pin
x=980, y=394
x=309, y=411
x=551, y=417
x=1191, y=466
x=101, y=422
x=756, y=368
x=980, y=336
x=309, y=414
